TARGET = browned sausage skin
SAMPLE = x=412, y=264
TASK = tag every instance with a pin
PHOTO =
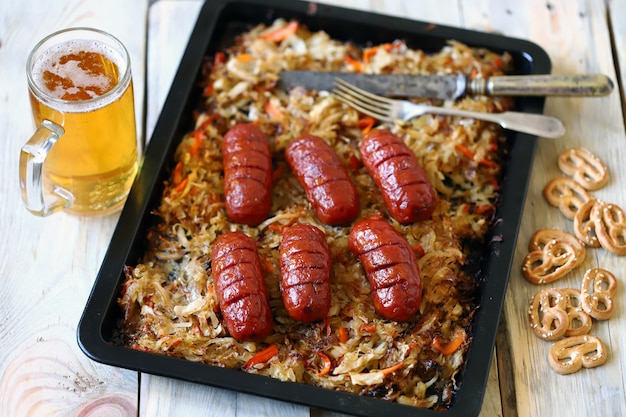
x=305, y=264
x=404, y=185
x=240, y=287
x=390, y=266
x=247, y=174
x=324, y=179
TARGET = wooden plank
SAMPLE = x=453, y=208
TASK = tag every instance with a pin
x=48, y=265
x=170, y=23
x=575, y=35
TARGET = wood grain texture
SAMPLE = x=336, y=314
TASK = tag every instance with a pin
x=48, y=265
x=576, y=37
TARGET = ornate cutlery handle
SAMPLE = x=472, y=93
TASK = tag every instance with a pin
x=589, y=85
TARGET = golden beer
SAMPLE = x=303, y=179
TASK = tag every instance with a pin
x=85, y=87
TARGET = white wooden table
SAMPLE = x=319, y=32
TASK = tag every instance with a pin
x=48, y=266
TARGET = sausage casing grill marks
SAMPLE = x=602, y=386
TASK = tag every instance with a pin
x=390, y=266
x=324, y=179
x=247, y=174
x=240, y=287
x=305, y=272
x=405, y=187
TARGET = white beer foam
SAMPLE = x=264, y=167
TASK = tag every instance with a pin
x=49, y=61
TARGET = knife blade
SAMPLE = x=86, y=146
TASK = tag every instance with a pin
x=452, y=87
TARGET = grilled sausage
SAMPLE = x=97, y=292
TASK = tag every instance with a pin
x=390, y=266
x=406, y=190
x=247, y=174
x=240, y=287
x=324, y=179
x=305, y=272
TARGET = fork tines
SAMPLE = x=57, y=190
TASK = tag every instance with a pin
x=363, y=101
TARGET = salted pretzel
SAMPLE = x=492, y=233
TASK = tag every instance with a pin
x=547, y=314
x=610, y=226
x=552, y=254
x=571, y=354
x=598, y=288
x=585, y=226
x=566, y=194
x=579, y=321
x=584, y=167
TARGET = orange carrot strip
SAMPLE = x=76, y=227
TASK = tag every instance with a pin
x=368, y=53
x=343, y=334
x=219, y=58
x=483, y=208
x=418, y=250
x=197, y=141
x=177, y=175
x=180, y=187
x=327, y=364
x=356, y=64
x=208, y=121
x=354, y=163
x=366, y=123
x=268, y=266
x=391, y=369
x=368, y=328
x=455, y=343
x=292, y=222
x=487, y=163
x=244, y=57
x=498, y=62
x=466, y=152
x=282, y=33
x=261, y=357
x=273, y=111
x=413, y=344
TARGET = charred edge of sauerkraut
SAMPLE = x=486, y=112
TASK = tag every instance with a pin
x=168, y=303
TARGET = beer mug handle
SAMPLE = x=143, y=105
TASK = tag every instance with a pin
x=32, y=158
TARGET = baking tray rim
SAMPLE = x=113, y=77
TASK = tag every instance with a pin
x=470, y=396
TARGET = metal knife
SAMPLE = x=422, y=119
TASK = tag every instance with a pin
x=451, y=87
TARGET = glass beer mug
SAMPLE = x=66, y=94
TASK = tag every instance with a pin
x=83, y=156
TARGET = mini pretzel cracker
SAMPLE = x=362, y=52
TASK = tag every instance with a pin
x=585, y=226
x=566, y=194
x=571, y=354
x=553, y=253
x=598, y=288
x=610, y=226
x=579, y=321
x=547, y=314
x=584, y=167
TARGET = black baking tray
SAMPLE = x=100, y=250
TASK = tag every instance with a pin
x=218, y=23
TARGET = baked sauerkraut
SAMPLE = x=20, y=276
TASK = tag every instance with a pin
x=168, y=300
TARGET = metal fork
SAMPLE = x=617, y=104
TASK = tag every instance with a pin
x=388, y=110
